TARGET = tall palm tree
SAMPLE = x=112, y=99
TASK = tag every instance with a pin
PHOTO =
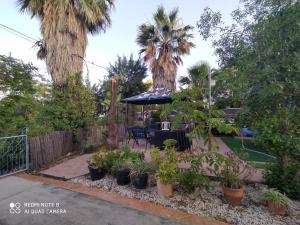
x=64, y=26
x=162, y=45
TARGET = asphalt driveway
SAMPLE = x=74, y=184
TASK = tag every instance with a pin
x=24, y=202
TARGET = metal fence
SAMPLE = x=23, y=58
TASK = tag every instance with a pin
x=14, y=154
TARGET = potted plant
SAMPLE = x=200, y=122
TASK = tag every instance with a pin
x=122, y=172
x=277, y=202
x=96, y=165
x=166, y=175
x=232, y=188
x=139, y=173
x=88, y=148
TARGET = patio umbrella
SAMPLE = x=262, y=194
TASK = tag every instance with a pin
x=154, y=96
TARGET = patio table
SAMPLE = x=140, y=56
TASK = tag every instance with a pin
x=180, y=136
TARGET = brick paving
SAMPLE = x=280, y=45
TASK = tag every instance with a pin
x=69, y=169
x=78, y=166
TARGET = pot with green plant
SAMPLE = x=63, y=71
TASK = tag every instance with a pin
x=232, y=188
x=277, y=202
x=230, y=178
x=96, y=165
x=166, y=175
x=122, y=172
x=139, y=173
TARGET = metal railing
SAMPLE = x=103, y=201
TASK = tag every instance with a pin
x=14, y=154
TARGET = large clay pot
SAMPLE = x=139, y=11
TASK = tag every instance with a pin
x=164, y=190
x=234, y=196
x=277, y=209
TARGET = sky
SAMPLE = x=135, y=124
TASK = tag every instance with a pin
x=119, y=39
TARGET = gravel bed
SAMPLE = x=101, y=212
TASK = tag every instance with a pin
x=205, y=203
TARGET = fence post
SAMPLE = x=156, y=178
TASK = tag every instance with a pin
x=27, y=149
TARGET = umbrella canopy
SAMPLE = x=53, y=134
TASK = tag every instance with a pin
x=154, y=96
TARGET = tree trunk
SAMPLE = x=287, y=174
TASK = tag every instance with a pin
x=65, y=40
x=112, y=128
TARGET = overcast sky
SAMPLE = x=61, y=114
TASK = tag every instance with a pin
x=119, y=39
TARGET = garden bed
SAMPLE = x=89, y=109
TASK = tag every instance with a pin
x=207, y=203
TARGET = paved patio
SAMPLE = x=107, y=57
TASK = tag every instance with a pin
x=78, y=166
x=69, y=169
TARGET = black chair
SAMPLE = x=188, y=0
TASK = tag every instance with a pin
x=139, y=133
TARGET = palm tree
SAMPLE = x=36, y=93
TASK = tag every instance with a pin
x=197, y=77
x=64, y=26
x=162, y=45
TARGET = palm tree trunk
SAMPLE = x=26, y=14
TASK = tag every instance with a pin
x=65, y=39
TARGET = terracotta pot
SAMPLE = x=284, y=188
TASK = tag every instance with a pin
x=164, y=190
x=234, y=196
x=277, y=209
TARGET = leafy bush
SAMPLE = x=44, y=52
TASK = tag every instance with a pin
x=190, y=180
x=284, y=178
x=140, y=167
x=111, y=158
x=156, y=158
x=167, y=172
x=276, y=197
x=98, y=160
x=121, y=157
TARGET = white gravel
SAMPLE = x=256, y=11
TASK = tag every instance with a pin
x=206, y=203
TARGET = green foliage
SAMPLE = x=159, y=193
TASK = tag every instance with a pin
x=97, y=160
x=285, y=178
x=72, y=106
x=21, y=98
x=156, y=158
x=279, y=134
x=121, y=158
x=276, y=197
x=139, y=167
x=111, y=159
x=167, y=172
x=190, y=180
x=191, y=107
x=130, y=74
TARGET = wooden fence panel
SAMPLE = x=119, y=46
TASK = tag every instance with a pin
x=46, y=149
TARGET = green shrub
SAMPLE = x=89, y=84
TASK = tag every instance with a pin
x=98, y=160
x=190, y=180
x=140, y=167
x=156, y=158
x=276, y=197
x=167, y=172
x=284, y=179
x=111, y=159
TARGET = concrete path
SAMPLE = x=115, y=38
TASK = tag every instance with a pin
x=69, y=169
x=24, y=202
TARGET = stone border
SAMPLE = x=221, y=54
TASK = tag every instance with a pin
x=154, y=209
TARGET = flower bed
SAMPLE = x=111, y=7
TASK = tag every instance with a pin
x=207, y=203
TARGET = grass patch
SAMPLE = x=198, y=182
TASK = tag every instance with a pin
x=236, y=146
